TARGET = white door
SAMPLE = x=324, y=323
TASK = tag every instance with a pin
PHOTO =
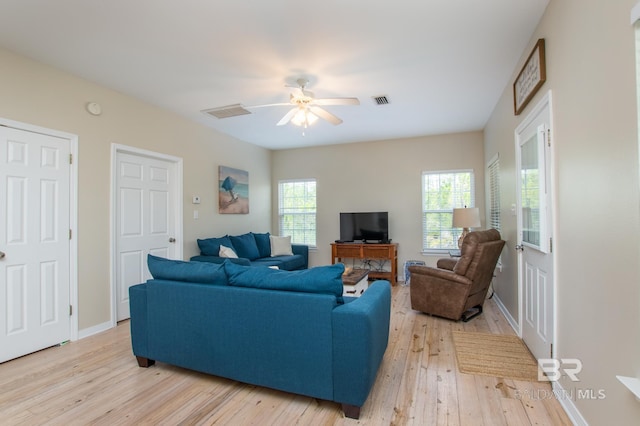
x=146, y=200
x=35, y=174
x=535, y=206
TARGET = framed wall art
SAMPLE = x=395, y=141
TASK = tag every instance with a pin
x=233, y=190
x=531, y=78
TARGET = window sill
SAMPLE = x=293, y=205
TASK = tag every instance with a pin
x=632, y=383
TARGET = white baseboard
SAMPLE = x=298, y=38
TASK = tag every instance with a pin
x=566, y=402
x=512, y=322
x=568, y=405
x=86, y=332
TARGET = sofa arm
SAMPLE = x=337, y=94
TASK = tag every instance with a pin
x=138, y=321
x=360, y=337
x=220, y=260
x=302, y=250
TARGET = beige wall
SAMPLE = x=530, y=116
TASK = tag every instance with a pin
x=39, y=95
x=591, y=72
x=378, y=176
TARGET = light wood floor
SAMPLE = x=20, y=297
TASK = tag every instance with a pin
x=97, y=381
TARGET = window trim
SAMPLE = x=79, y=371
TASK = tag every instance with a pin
x=472, y=190
x=280, y=207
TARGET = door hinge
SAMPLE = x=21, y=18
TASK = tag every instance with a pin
x=70, y=158
x=551, y=245
x=70, y=234
x=551, y=351
x=70, y=310
x=548, y=137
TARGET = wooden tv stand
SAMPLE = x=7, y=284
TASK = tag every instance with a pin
x=369, y=251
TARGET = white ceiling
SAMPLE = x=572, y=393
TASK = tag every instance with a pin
x=442, y=63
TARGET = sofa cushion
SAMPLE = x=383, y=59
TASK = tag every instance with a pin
x=245, y=246
x=211, y=246
x=281, y=246
x=264, y=244
x=289, y=263
x=320, y=279
x=227, y=252
x=178, y=270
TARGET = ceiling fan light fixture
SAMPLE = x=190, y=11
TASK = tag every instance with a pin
x=304, y=117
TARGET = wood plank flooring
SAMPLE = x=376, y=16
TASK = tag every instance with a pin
x=97, y=381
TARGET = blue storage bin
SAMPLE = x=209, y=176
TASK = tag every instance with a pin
x=407, y=274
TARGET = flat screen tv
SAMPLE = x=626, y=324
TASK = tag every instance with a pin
x=364, y=226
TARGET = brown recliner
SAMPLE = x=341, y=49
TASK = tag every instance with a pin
x=456, y=289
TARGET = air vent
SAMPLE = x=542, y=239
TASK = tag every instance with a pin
x=227, y=111
x=381, y=100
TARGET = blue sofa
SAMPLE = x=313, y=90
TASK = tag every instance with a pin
x=253, y=249
x=290, y=331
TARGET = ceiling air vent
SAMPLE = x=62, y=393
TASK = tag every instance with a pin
x=227, y=111
x=381, y=100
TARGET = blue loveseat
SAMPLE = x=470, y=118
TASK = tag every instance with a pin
x=254, y=249
x=290, y=331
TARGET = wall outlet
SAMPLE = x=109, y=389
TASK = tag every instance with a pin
x=196, y=199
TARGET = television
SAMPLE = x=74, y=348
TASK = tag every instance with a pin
x=364, y=226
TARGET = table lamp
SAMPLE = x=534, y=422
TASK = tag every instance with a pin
x=465, y=218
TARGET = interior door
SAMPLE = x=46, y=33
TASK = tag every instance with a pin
x=535, y=206
x=35, y=174
x=145, y=207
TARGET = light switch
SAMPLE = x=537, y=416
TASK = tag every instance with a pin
x=195, y=214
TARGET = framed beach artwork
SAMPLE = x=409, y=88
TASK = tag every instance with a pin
x=233, y=190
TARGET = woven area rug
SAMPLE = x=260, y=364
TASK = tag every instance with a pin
x=494, y=355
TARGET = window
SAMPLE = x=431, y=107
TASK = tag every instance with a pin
x=494, y=192
x=297, y=210
x=441, y=193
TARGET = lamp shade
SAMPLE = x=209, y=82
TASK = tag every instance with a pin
x=468, y=217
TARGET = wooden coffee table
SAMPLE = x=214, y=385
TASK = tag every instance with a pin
x=355, y=282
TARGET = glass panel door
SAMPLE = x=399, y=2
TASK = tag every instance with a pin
x=533, y=190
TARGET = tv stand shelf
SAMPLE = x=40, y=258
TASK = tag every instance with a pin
x=369, y=251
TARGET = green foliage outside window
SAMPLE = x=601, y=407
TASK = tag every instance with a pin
x=297, y=211
x=442, y=192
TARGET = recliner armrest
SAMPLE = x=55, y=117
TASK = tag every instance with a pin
x=438, y=273
x=447, y=263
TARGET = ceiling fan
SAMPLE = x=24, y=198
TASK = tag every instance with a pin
x=306, y=108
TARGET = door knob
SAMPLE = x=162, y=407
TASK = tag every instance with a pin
x=2, y=255
x=519, y=247
x=172, y=240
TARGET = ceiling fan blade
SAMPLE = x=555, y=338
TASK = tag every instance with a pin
x=336, y=101
x=288, y=116
x=325, y=115
x=269, y=105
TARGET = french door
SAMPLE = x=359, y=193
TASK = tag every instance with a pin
x=535, y=230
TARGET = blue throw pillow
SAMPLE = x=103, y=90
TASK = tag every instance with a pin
x=194, y=272
x=245, y=246
x=211, y=246
x=264, y=244
x=321, y=279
